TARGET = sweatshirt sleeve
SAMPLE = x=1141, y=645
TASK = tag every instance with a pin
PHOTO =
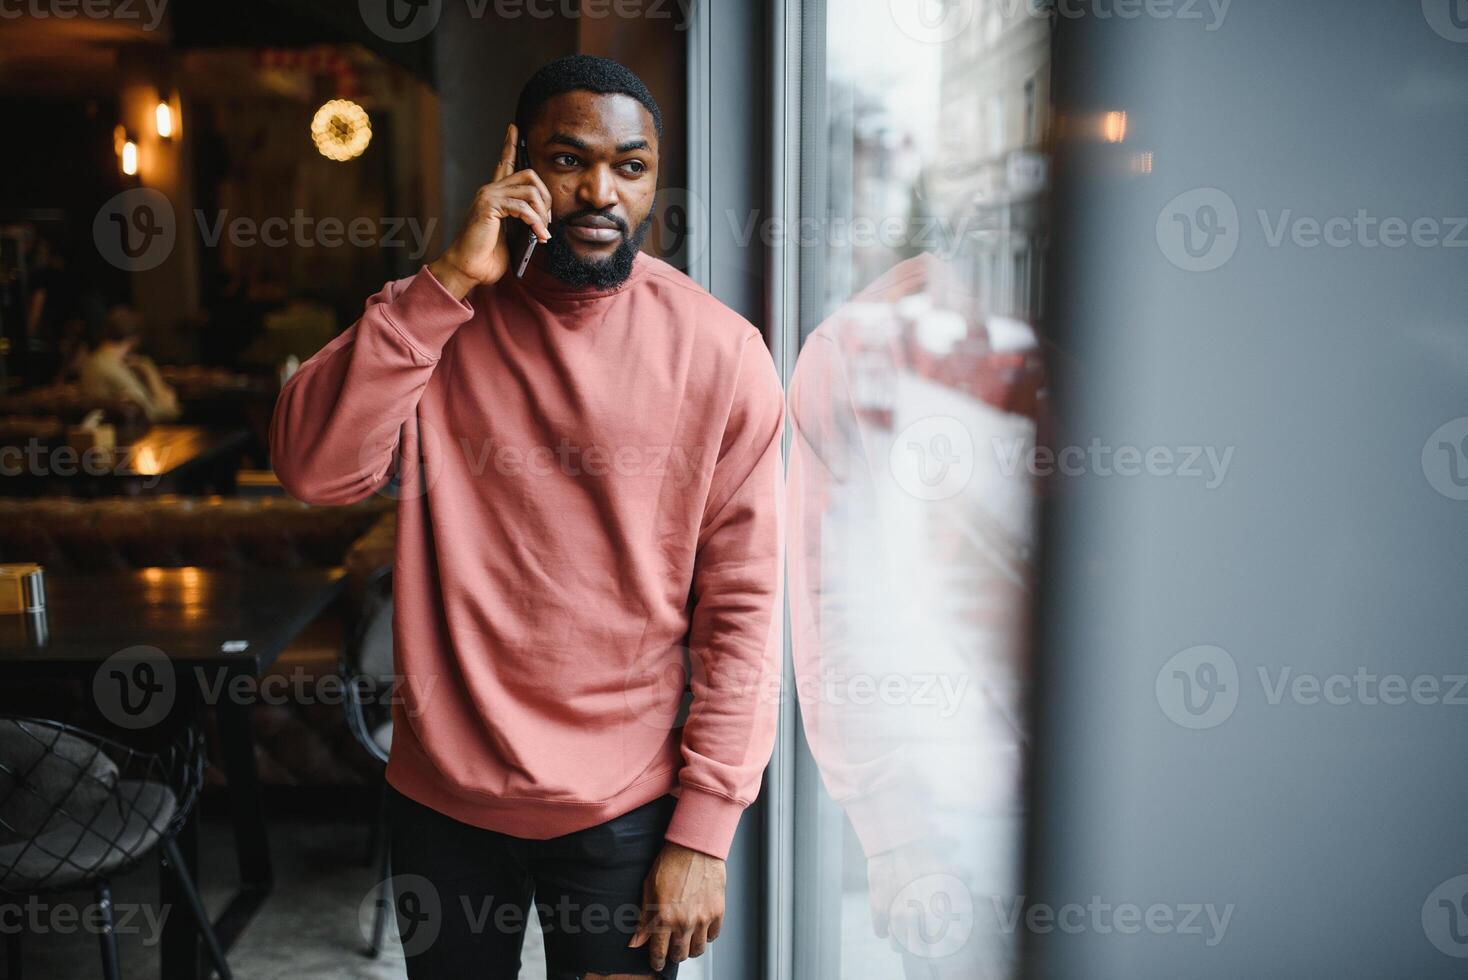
x=337, y=422
x=734, y=634
x=843, y=618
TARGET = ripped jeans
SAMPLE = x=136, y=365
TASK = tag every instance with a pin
x=463, y=894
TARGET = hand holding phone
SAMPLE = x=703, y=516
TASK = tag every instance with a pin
x=522, y=162
x=481, y=253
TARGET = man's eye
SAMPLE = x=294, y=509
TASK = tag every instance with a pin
x=564, y=160
x=634, y=166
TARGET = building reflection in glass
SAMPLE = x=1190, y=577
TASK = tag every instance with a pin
x=915, y=404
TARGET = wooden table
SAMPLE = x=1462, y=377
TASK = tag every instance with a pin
x=180, y=457
x=167, y=449
x=166, y=458
x=211, y=626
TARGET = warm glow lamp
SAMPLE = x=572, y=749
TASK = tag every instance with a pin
x=341, y=130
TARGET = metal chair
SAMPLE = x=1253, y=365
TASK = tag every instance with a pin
x=77, y=809
x=366, y=668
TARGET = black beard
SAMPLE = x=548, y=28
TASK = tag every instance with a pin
x=605, y=273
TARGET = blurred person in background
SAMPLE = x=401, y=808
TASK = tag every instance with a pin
x=115, y=371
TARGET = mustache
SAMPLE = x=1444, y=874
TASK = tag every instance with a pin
x=557, y=224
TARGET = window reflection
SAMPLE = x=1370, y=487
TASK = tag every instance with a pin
x=911, y=512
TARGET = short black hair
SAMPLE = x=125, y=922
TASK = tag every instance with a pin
x=583, y=72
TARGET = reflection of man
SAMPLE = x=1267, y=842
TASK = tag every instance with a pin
x=598, y=493
x=114, y=371
x=907, y=598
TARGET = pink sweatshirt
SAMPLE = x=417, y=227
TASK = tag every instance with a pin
x=589, y=512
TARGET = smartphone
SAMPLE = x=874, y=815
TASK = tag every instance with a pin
x=522, y=162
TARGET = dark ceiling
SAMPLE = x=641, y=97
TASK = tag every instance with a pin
x=290, y=23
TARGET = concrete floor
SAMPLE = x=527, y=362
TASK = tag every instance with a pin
x=309, y=928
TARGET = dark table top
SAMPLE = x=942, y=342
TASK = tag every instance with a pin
x=166, y=449
x=147, y=462
x=198, y=617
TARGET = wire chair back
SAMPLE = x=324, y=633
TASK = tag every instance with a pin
x=76, y=806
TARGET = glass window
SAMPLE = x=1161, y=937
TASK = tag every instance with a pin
x=914, y=406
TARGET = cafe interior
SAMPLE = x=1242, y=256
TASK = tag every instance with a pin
x=1074, y=451
x=197, y=197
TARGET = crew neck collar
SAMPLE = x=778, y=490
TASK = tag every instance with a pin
x=546, y=287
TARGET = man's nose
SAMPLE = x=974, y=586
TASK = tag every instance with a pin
x=598, y=189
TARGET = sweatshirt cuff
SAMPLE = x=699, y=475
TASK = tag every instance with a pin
x=886, y=818
x=426, y=315
x=704, y=821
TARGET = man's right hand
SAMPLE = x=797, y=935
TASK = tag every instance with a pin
x=481, y=253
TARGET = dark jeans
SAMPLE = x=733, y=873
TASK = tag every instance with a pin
x=463, y=894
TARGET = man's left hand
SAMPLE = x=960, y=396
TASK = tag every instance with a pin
x=682, y=905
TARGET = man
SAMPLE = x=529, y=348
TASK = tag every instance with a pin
x=115, y=371
x=589, y=498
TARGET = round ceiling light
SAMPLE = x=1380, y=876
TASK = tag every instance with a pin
x=341, y=130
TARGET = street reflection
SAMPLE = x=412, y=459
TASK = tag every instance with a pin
x=910, y=544
x=917, y=398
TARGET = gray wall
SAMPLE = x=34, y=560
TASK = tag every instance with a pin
x=1335, y=541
